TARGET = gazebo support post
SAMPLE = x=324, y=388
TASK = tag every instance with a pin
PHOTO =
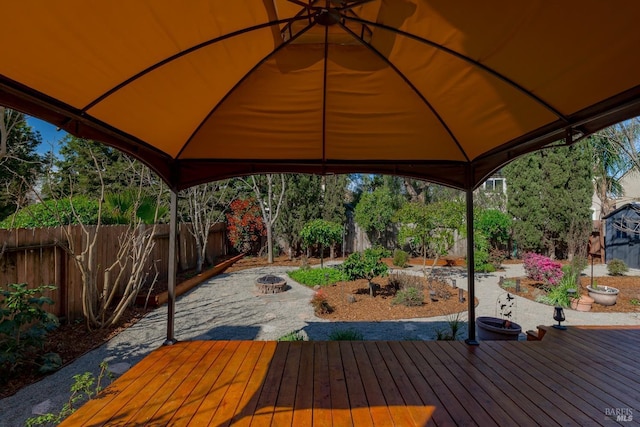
x=471, y=324
x=171, y=300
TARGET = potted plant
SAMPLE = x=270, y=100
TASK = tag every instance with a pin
x=582, y=303
x=500, y=328
x=603, y=295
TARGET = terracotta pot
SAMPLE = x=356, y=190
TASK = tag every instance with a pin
x=603, y=295
x=493, y=328
x=582, y=304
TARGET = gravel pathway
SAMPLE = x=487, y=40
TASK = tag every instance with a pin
x=228, y=307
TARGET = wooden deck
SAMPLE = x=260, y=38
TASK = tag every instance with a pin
x=581, y=376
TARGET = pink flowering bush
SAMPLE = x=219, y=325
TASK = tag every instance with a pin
x=542, y=268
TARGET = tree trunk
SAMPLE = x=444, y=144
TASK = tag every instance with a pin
x=269, y=244
x=200, y=256
x=372, y=289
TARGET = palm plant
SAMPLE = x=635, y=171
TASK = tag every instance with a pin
x=614, y=154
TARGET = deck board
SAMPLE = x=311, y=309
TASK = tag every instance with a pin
x=355, y=388
x=144, y=406
x=512, y=386
x=288, y=385
x=249, y=400
x=424, y=377
x=569, y=377
x=321, y=386
x=302, y=413
x=378, y=406
x=399, y=412
x=340, y=407
x=215, y=398
x=206, y=380
x=404, y=383
x=457, y=389
x=501, y=393
x=544, y=388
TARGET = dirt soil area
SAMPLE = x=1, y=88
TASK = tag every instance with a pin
x=70, y=341
x=628, y=299
x=351, y=301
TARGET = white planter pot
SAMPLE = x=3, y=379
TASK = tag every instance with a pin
x=603, y=295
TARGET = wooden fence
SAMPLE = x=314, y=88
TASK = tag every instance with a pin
x=37, y=257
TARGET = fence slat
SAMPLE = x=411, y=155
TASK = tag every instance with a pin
x=36, y=257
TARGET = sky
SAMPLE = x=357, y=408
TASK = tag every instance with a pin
x=50, y=134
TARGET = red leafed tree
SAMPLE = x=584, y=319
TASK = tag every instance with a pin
x=245, y=226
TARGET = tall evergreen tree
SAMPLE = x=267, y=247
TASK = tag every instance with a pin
x=549, y=193
x=333, y=202
x=78, y=164
x=20, y=164
x=334, y=198
x=301, y=204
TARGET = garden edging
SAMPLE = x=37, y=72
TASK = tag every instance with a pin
x=161, y=298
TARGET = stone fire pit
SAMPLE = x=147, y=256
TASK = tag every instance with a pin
x=271, y=284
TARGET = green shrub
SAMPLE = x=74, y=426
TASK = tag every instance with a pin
x=292, y=336
x=85, y=386
x=410, y=297
x=574, y=269
x=403, y=281
x=455, y=324
x=53, y=213
x=486, y=268
x=481, y=251
x=23, y=326
x=317, y=276
x=345, y=335
x=558, y=295
x=508, y=284
x=365, y=265
x=494, y=224
x=400, y=258
x=617, y=267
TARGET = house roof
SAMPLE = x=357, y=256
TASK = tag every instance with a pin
x=635, y=206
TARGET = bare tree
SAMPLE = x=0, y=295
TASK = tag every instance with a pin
x=129, y=271
x=206, y=205
x=265, y=193
x=9, y=119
